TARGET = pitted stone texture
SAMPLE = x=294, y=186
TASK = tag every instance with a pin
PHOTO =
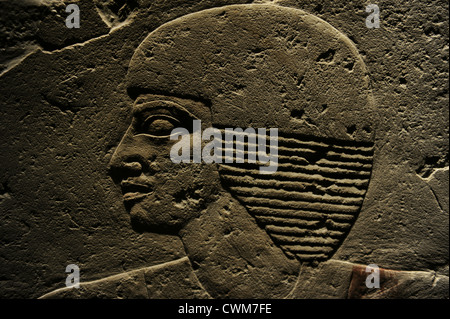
x=261, y=66
x=259, y=74
x=174, y=279
x=63, y=113
x=342, y=280
x=51, y=36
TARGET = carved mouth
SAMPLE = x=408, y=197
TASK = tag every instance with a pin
x=134, y=191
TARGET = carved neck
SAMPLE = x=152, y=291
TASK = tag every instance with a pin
x=233, y=257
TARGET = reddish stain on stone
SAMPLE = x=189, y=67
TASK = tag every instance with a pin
x=389, y=283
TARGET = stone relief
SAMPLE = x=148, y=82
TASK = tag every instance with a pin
x=247, y=234
x=242, y=234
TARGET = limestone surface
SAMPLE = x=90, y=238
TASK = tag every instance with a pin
x=87, y=175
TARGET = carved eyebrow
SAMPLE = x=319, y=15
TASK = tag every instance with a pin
x=141, y=107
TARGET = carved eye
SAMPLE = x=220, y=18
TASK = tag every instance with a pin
x=159, y=118
x=159, y=125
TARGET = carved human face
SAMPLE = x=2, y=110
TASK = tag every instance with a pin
x=160, y=195
x=296, y=73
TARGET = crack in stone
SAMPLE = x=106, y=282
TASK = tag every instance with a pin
x=437, y=200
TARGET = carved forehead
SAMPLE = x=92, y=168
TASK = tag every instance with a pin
x=260, y=66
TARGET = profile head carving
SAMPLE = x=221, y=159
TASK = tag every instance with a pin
x=260, y=66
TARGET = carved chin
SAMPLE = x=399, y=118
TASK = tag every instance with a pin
x=159, y=217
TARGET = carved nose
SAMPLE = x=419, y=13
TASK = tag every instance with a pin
x=121, y=168
x=130, y=160
x=134, y=167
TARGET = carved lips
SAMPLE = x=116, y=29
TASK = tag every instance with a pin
x=135, y=190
